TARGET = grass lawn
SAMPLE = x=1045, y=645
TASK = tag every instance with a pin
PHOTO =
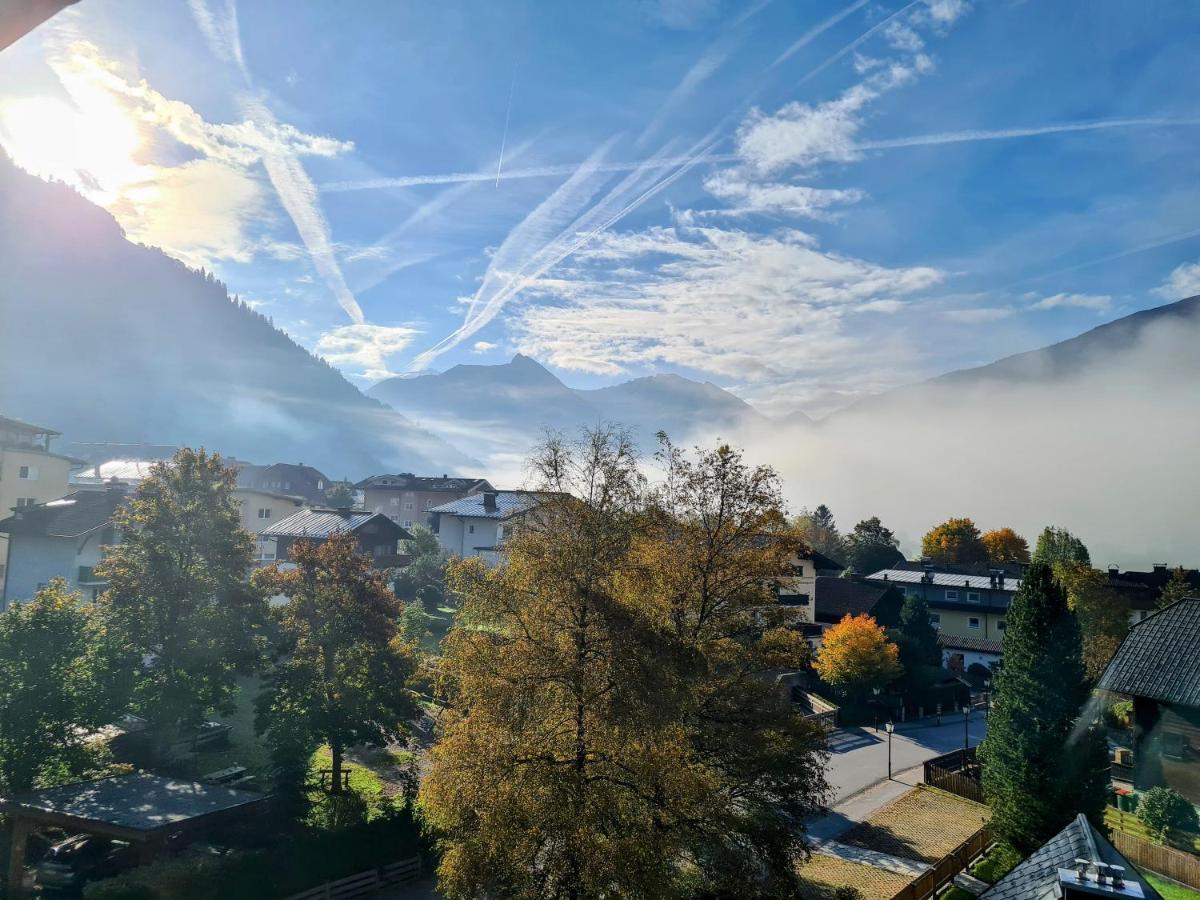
x=1169, y=889
x=245, y=748
x=1131, y=824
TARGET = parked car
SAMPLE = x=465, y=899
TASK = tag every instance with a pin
x=70, y=864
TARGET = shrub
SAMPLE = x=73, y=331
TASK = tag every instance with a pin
x=1119, y=714
x=1161, y=809
x=846, y=892
x=1001, y=860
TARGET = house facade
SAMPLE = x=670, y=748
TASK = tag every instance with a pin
x=1142, y=590
x=961, y=605
x=61, y=538
x=1156, y=665
x=377, y=536
x=408, y=499
x=296, y=480
x=477, y=525
x=30, y=472
x=259, y=511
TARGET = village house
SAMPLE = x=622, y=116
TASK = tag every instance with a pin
x=477, y=525
x=30, y=472
x=960, y=604
x=259, y=511
x=407, y=498
x=296, y=480
x=377, y=535
x=60, y=538
x=1143, y=590
x=128, y=472
x=1156, y=665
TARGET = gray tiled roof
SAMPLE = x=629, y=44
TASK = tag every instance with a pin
x=837, y=597
x=507, y=503
x=943, y=579
x=321, y=523
x=1037, y=877
x=969, y=642
x=1158, y=657
x=74, y=515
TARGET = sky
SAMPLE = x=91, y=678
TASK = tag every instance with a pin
x=803, y=202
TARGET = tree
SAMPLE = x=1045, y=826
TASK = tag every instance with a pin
x=1162, y=809
x=871, y=547
x=954, y=542
x=608, y=730
x=340, y=495
x=340, y=671
x=179, y=601
x=1057, y=545
x=414, y=623
x=56, y=688
x=916, y=637
x=1176, y=589
x=1005, y=547
x=424, y=578
x=855, y=656
x=820, y=532
x=1042, y=764
x=1102, y=612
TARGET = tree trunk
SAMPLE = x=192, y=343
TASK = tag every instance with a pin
x=335, y=748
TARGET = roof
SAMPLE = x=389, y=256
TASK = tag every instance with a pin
x=292, y=498
x=406, y=481
x=18, y=425
x=126, y=470
x=1037, y=877
x=138, y=802
x=945, y=579
x=74, y=515
x=322, y=522
x=837, y=597
x=822, y=563
x=1158, y=657
x=969, y=642
x=507, y=504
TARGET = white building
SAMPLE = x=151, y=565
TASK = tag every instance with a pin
x=478, y=524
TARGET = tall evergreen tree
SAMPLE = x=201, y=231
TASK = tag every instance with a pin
x=1042, y=762
x=1176, y=589
x=871, y=547
x=916, y=637
x=819, y=530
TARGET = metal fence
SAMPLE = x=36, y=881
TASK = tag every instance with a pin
x=364, y=884
x=947, y=867
x=1175, y=864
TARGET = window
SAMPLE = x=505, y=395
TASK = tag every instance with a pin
x=395, y=501
x=320, y=485
x=470, y=529
x=973, y=622
x=798, y=571
x=935, y=620
x=408, y=506
x=428, y=504
x=903, y=591
x=29, y=473
x=264, y=512
x=25, y=501
x=972, y=598
x=951, y=595
x=408, y=523
x=1001, y=625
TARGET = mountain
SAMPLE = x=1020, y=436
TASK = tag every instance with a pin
x=512, y=403
x=106, y=340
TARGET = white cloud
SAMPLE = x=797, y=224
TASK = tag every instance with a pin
x=902, y=37
x=483, y=346
x=365, y=347
x=979, y=315
x=1183, y=282
x=749, y=196
x=947, y=12
x=1097, y=302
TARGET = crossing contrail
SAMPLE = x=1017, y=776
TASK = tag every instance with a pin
x=507, y=115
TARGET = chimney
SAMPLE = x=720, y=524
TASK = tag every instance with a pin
x=489, y=500
x=1093, y=878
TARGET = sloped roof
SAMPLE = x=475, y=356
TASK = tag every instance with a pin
x=18, y=425
x=127, y=470
x=507, y=503
x=838, y=597
x=406, y=481
x=1037, y=877
x=969, y=642
x=74, y=515
x=1158, y=657
x=320, y=522
x=944, y=579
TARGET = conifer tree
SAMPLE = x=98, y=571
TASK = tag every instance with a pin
x=1042, y=763
x=916, y=637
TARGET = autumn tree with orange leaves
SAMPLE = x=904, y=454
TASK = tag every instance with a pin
x=856, y=656
x=1005, y=547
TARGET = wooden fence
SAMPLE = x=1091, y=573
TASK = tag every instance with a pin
x=947, y=867
x=956, y=772
x=1175, y=864
x=816, y=708
x=364, y=884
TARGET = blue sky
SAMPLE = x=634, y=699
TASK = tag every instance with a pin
x=801, y=201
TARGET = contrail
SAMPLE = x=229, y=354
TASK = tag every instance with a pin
x=507, y=114
x=920, y=140
x=856, y=42
x=817, y=30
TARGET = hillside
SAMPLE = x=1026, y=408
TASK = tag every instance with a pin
x=506, y=406
x=106, y=340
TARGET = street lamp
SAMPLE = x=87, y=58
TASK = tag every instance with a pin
x=890, y=728
x=987, y=696
x=966, y=711
x=875, y=691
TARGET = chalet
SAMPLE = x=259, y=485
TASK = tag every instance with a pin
x=60, y=538
x=407, y=498
x=377, y=535
x=284, y=478
x=1054, y=871
x=799, y=590
x=477, y=525
x=1156, y=666
x=837, y=597
x=259, y=511
x=1142, y=591
x=30, y=472
x=960, y=604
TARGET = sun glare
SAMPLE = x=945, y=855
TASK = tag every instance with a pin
x=91, y=146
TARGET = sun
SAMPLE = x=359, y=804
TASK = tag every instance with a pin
x=91, y=144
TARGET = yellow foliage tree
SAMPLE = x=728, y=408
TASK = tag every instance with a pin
x=856, y=655
x=954, y=541
x=1003, y=545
